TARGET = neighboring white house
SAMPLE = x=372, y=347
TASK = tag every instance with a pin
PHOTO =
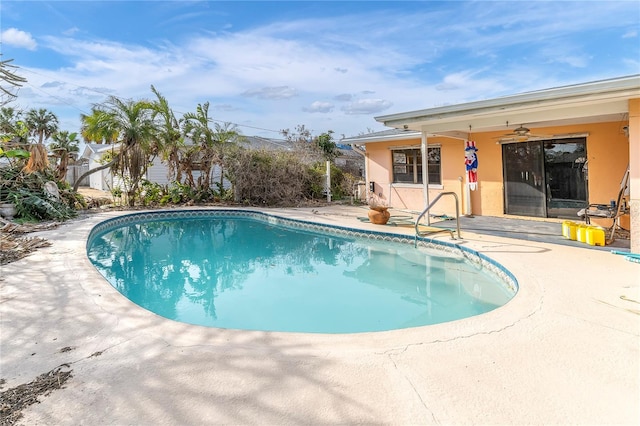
x=158, y=171
x=102, y=180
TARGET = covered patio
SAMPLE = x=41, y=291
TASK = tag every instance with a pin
x=571, y=107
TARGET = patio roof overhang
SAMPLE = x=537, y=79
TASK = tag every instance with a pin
x=600, y=101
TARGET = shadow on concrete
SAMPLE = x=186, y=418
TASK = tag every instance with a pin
x=130, y=367
x=522, y=229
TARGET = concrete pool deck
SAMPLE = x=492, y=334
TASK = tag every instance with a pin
x=565, y=350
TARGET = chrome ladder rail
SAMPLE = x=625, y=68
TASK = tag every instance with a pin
x=426, y=210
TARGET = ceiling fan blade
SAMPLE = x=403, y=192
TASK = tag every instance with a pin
x=506, y=135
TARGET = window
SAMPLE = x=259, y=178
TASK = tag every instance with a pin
x=407, y=166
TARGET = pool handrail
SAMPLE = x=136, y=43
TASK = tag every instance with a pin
x=426, y=210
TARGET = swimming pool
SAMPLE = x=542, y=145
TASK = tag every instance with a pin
x=249, y=270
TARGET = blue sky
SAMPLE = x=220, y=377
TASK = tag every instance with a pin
x=269, y=65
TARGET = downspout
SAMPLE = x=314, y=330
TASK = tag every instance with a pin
x=424, y=144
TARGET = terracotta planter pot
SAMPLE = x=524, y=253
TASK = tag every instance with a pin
x=379, y=215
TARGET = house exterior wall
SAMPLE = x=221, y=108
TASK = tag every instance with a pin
x=158, y=172
x=101, y=180
x=607, y=152
x=488, y=199
x=409, y=196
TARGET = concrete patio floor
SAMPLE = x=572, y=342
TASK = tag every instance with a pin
x=565, y=350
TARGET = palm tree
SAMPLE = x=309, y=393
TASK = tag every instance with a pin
x=8, y=119
x=96, y=127
x=13, y=130
x=196, y=127
x=41, y=123
x=226, y=135
x=64, y=146
x=169, y=137
x=137, y=135
x=12, y=79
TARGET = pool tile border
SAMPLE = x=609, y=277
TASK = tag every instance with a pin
x=481, y=260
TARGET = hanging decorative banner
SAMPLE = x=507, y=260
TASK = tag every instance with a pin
x=471, y=163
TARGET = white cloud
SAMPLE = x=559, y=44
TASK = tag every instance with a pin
x=344, y=97
x=414, y=59
x=27, y=92
x=632, y=64
x=71, y=31
x=457, y=81
x=578, y=61
x=17, y=38
x=318, y=106
x=280, y=92
x=367, y=106
x=564, y=53
x=49, y=84
x=93, y=94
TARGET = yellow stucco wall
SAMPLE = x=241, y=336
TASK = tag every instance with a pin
x=407, y=196
x=607, y=151
x=633, y=222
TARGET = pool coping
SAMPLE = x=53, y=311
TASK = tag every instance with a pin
x=563, y=350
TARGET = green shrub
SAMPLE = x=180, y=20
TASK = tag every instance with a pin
x=36, y=205
x=33, y=203
x=151, y=193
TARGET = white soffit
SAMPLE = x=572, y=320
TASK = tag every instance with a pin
x=602, y=101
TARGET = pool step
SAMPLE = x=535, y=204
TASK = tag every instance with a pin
x=424, y=230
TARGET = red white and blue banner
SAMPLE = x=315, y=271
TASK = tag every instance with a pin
x=471, y=164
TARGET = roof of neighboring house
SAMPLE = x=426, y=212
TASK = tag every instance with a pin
x=349, y=153
x=269, y=144
x=598, y=101
x=94, y=148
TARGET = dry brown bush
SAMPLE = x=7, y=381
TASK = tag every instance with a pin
x=262, y=177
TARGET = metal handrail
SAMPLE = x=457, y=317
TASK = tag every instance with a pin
x=426, y=210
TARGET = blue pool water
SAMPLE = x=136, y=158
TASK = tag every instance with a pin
x=255, y=272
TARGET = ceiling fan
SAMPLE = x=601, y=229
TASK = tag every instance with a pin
x=521, y=134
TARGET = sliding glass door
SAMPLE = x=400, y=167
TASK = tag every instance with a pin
x=566, y=177
x=545, y=178
x=524, y=190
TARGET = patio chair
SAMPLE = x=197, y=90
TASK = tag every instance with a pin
x=610, y=211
